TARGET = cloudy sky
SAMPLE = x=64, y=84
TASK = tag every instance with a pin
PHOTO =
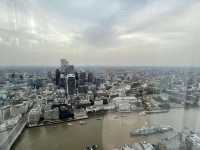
x=100, y=32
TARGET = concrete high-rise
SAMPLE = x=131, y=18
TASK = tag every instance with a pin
x=57, y=76
x=71, y=84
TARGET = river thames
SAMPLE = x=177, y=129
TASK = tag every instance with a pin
x=109, y=132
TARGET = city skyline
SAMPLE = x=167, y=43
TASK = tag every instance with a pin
x=121, y=32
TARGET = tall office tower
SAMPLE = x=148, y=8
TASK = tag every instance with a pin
x=62, y=81
x=71, y=84
x=99, y=81
x=77, y=79
x=57, y=76
x=90, y=77
x=49, y=75
x=82, y=77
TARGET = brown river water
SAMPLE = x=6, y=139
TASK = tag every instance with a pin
x=110, y=132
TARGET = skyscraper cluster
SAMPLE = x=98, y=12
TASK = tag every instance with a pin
x=74, y=82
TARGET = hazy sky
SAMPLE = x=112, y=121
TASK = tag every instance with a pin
x=103, y=32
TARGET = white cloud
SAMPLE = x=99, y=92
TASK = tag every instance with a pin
x=143, y=32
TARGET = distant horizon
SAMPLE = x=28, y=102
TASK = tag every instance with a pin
x=98, y=65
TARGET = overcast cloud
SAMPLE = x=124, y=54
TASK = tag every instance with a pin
x=100, y=32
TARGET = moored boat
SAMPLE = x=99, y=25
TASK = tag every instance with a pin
x=150, y=130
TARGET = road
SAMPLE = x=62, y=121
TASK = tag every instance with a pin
x=10, y=137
